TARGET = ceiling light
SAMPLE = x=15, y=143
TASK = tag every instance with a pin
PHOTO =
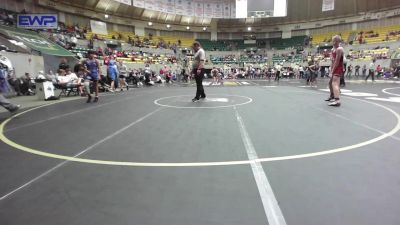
x=150, y=23
x=187, y=28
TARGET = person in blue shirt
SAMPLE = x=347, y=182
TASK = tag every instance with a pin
x=93, y=73
x=112, y=72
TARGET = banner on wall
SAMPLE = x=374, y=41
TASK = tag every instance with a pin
x=217, y=7
x=160, y=6
x=233, y=10
x=203, y=8
x=98, y=27
x=227, y=9
x=208, y=8
x=138, y=3
x=199, y=8
x=240, y=9
x=328, y=5
x=170, y=6
x=150, y=4
x=37, y=21
x=127, y=2
x=180, y=7
x=189, y=7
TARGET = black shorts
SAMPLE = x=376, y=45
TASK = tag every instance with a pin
x=194, y=72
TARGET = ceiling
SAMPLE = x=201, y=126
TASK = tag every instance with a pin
x=297, y=11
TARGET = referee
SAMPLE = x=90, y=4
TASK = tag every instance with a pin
x=198, y=70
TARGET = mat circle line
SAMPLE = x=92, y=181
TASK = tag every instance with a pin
x=390, y=93
x=15, y=145
x=157, y=102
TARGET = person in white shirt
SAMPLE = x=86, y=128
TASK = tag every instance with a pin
x=123, y=73
x=301, y=71
x=73, y=77
x=371, y=71
x=62, y=77
x=158, y=79
x=198, y=70
x=51, y=77
x=70, y=80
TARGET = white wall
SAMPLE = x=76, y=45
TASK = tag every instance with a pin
x=139, y=30
x=25, y=63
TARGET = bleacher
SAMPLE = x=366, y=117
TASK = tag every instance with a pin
x=382, y=31
x=327, y=37
x=185, y=42
x=236, y=60
x=349, y=35
x=239, y=44
x=293, y=42
x=78, y=50
x=224, y=45
x=227, y=45
x=298, y=58
x=369, y=54
x=396, y=54
x=162, y=59
x=209, y=45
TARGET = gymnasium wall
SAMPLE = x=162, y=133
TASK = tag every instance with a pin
x=25, y=63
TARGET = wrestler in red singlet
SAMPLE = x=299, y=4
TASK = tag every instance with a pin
x=340, y=68
x=337, y=69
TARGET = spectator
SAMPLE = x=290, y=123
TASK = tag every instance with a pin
x=75, y=81
x=349, y=70
x=379, y=71
x=63, y=65
x=15, y=84
x=112, y=71
x=27, y=84
x=62, y=79
x=364, y=70
x=167, y=73
x=371, y=71
x=51, y=77
x=387, y=74
x=357, y=71
x=123, y=74
x=397, y=71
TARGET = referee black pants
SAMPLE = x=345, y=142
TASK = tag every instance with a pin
x=199, y=83
x=371, y=74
